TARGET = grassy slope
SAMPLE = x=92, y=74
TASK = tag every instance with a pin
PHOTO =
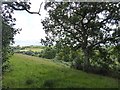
x=28, y=71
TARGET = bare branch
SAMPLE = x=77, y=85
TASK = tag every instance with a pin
x=23, y=7
x=40, y=7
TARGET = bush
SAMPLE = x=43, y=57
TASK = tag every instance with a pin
x=59, y=56
x=48, y=53
x=29, y=53
x=77, y=63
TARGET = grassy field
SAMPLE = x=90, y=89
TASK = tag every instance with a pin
x=33, y=72
x=34, y=49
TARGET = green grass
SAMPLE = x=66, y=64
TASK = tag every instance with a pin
x=33, y=72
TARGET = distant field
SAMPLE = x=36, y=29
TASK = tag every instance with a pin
x=33, y=72
x=34, y=49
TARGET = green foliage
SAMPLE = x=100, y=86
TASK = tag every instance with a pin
x=6, y=50
x=105, y=61
x=48, y=52
x=8, y=32
x=78, y=25
x=68, y=55
x=7, y=38
x=16, y=48
x=77, y=63
x=63, y=54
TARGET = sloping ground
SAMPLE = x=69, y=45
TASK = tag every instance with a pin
x=33, y=72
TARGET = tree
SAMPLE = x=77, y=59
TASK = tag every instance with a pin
x=8, y=32
x=82, y=25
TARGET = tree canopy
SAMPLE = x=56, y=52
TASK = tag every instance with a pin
x=82, y=25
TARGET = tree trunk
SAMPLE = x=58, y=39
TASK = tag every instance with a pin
x=86, y=62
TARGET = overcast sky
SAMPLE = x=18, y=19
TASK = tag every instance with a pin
x=32, y=29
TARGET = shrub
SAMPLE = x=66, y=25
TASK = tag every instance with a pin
x=77, y=63
x=48, y=53
x=29, y=53
x=59, y=56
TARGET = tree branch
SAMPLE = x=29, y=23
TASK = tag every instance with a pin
x=104, y=41
x=23, y=7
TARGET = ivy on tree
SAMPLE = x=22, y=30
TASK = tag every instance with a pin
x=8, y=32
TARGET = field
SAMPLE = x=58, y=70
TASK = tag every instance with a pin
x=33, y=48
x=34, y=72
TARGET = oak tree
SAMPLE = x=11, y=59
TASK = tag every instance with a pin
x=82, y=25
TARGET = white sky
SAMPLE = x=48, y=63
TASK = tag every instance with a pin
x=32, y=29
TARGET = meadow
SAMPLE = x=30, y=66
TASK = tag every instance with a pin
x=32, y=48
x=34, y=72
